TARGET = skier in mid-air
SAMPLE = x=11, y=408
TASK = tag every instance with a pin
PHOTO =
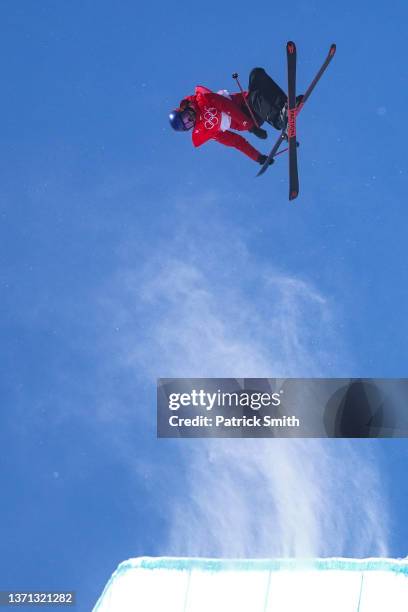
x=210, y=114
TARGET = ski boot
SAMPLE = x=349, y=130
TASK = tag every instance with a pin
x=280, y=121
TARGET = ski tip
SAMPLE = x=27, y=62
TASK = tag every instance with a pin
x=290, y=47
x=333, y=49
x=293, y=195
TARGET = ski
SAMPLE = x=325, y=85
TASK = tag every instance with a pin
x=318, y=76
x=291, y=128
x=309, y=90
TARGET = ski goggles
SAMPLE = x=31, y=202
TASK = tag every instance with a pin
x=187, y=117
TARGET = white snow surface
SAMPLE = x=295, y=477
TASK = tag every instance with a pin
x=169, y=584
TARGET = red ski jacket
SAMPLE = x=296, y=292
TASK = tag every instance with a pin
x=215, y=113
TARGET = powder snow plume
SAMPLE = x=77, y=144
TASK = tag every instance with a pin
x=206, y=308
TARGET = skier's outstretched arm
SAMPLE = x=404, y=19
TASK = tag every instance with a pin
x=238, y=142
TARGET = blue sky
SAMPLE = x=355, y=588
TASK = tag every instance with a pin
x=127, y=255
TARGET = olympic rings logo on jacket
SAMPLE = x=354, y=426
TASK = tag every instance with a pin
x=210, y=118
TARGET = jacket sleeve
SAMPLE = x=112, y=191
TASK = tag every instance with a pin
x=238, y=142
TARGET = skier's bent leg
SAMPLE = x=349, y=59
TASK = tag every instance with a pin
x=266, y=97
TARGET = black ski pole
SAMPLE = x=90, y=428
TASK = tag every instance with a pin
x=235, y=77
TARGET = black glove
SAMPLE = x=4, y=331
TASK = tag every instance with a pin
x=262, y=159
x=259, y=132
